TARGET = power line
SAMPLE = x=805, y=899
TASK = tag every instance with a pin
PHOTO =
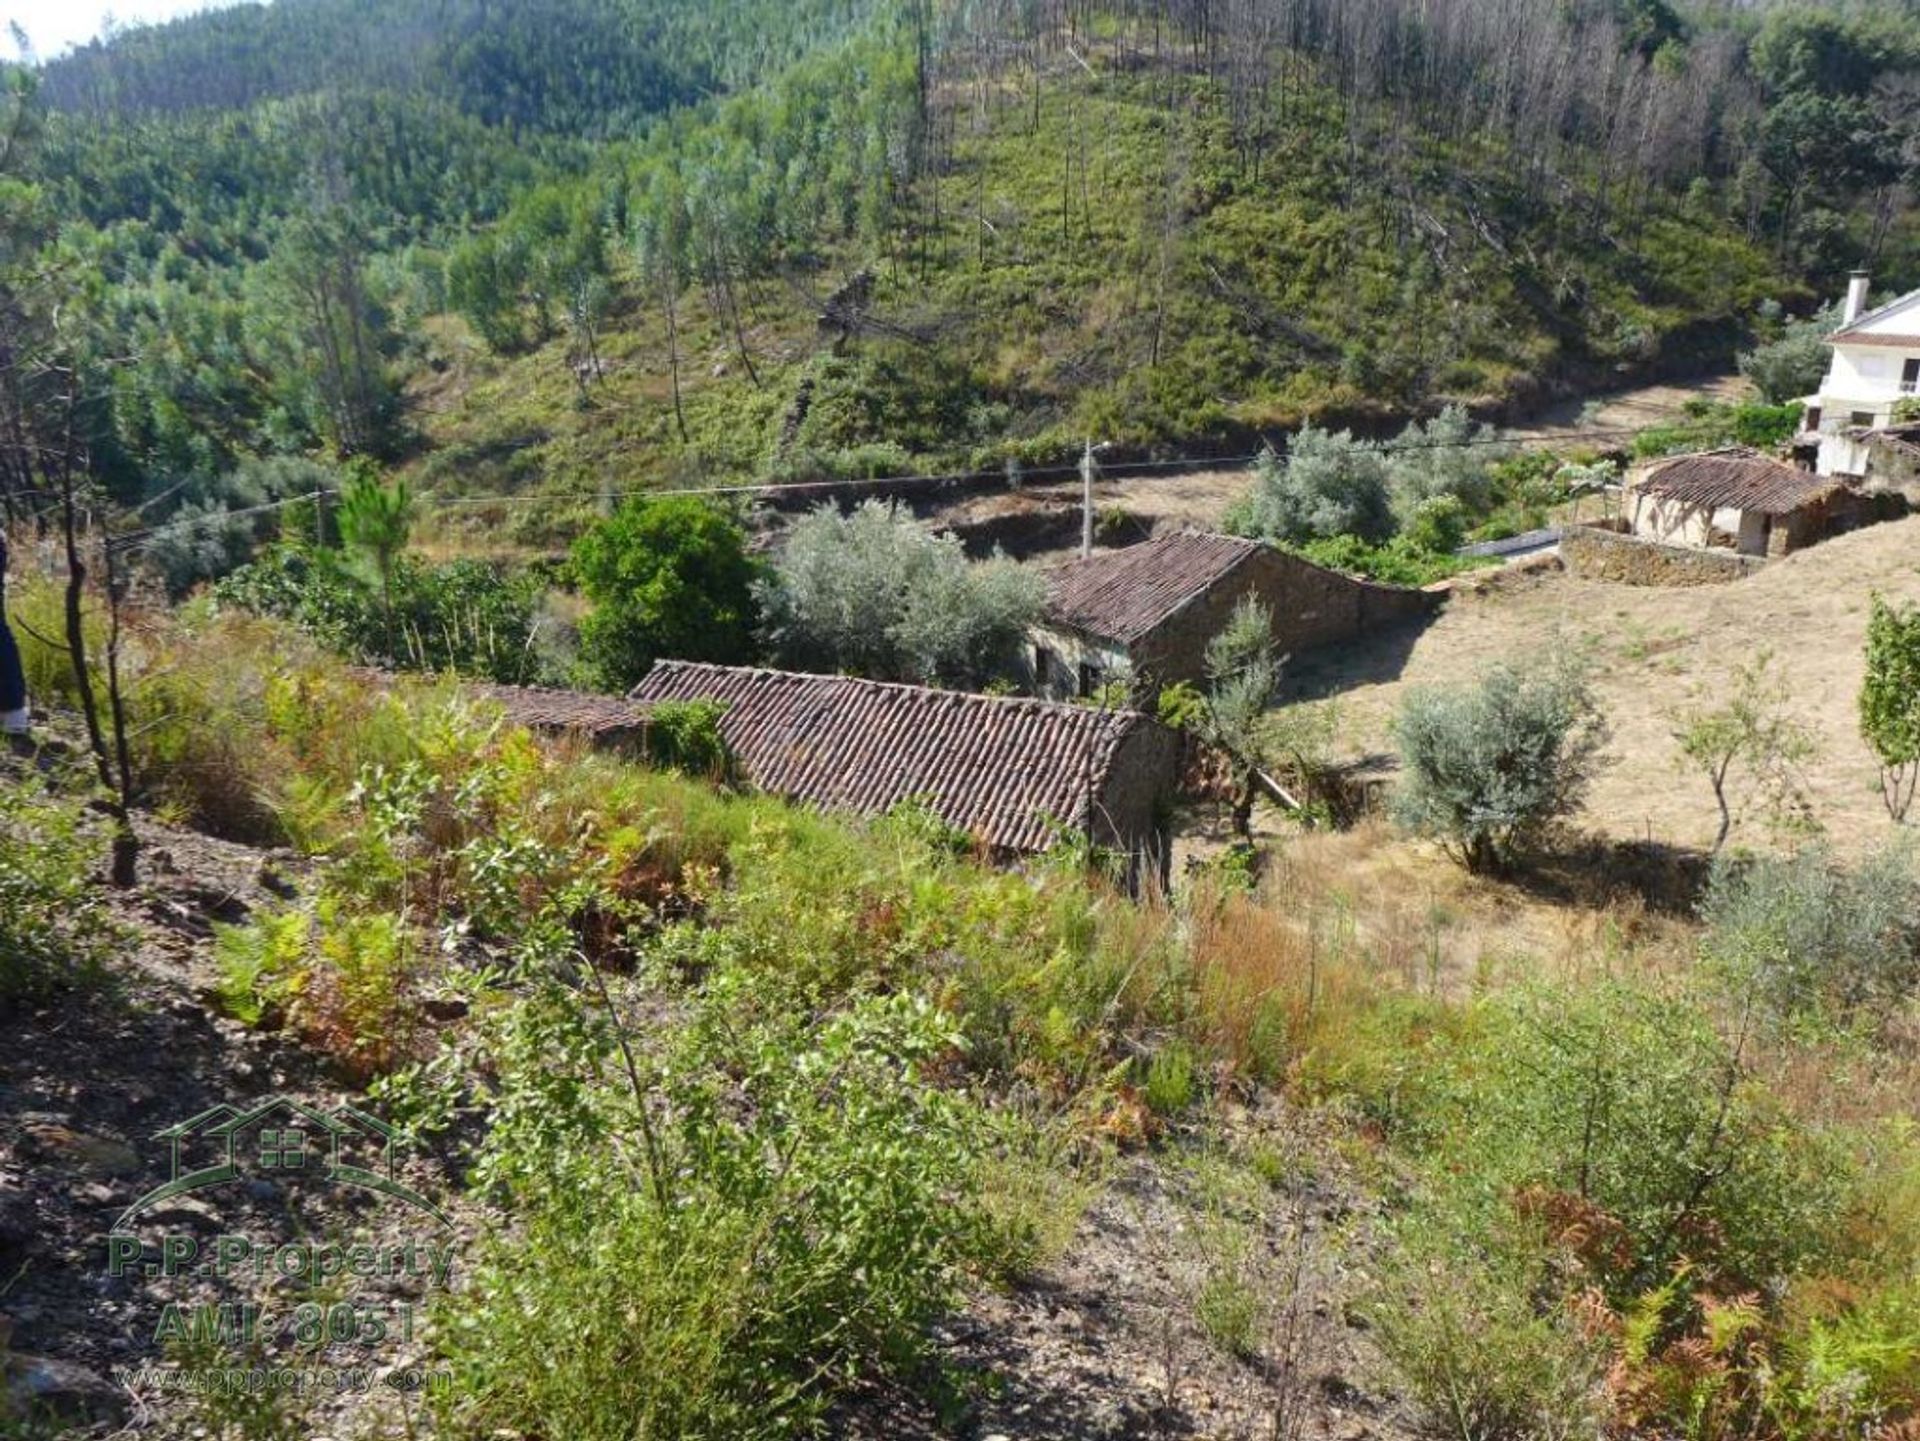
x=773, y=489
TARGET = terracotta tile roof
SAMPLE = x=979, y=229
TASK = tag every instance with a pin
x=1736, y=479
x=1002, y=768
x=542, y=709
x=1122, y=595
x=1854, y=334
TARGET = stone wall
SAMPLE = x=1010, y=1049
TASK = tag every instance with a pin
x=1312, y=606
x=1130, y=812
x=1628, y=560
x=1062, y=664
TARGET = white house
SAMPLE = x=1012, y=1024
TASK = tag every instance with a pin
x=1876, y=361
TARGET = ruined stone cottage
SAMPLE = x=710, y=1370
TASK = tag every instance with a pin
x=1142, y=616
x=1741, y=500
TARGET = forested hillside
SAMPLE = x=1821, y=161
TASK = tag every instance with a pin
x=596, y=245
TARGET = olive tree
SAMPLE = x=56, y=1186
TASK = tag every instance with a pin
x=1794, y=364
x=1748, y=747
x=1243, y=674
x=1808, y=933
x=1329, y=484
x=1890, y=701
x=874, y=593
x=1488, y=767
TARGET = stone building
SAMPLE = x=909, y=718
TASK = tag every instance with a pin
x=1013, y=773
x=1890, y=461
x=1740, y=500
x=1143, y=615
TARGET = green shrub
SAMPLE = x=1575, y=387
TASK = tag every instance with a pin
x=1796, y=363
x=1180, y=706
x=262, y=965
x=1328, y=485
x=1459, y=1318
x=1229, y=1310
x=873, y=593
x=1621, y=1114
x=1488, y=767
x=1436, y=526
x=1401, y=561
x=1450, y=458
x=685, y=736
x=466, y=615
x=1761, y=427
x=798, y=1213
x=1808, y=934
x=55, y=932
x=1170, y=1082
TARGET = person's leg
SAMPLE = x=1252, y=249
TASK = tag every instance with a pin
x=14, y=717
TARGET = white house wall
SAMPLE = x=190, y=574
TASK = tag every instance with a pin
x=1863, y=383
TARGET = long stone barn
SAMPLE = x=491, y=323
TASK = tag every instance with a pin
x=1013, y=773
x=1142, y=616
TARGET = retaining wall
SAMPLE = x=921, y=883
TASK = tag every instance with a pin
x=1595, y=554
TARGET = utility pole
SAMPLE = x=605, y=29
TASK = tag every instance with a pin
x=1086, y=501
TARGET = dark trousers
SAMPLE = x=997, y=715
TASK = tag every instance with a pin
x=13, y=679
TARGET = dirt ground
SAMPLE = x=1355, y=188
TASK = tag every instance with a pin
x=1657, y=653
x=1629, y=409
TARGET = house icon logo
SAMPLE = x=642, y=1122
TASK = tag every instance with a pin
x=281, y=1139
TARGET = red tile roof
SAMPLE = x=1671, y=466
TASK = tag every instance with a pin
x=1736, y=479
x=542, y=709
x=538, y=708
x=1854, y=333
x=1005, y=769
x=1123, y=595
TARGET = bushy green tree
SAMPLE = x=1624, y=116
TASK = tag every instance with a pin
x=1436, y=526
x=1890, y=701
x=874, y=593
x=1329, y=484
x=1793, y=365
x=669, y=577
x=1487, y=767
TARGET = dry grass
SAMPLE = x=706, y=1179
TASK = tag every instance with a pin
x=1658, y=652
x=1343, y=921
x=1421, y=923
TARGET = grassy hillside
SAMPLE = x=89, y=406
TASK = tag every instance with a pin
x=1168, y=299
x=592, y=255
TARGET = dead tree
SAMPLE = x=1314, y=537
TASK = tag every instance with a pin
x=112, y=757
